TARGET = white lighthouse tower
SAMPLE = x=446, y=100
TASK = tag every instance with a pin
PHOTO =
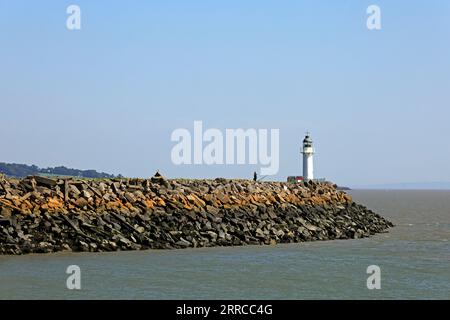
x=308, y=164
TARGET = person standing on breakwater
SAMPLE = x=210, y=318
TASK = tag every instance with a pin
x=255, y=176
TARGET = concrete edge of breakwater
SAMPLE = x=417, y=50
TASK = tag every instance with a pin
x=42, y=215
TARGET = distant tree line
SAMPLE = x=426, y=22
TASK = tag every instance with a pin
x=23, y=170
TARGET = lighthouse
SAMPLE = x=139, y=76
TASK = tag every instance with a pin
x=308, y=152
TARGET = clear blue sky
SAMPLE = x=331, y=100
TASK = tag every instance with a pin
x=108, y=96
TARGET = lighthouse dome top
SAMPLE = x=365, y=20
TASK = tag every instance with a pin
x=307, y=139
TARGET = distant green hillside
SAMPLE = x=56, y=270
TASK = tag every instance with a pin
x=23, y=170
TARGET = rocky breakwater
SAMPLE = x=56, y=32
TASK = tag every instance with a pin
x=48, y=215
